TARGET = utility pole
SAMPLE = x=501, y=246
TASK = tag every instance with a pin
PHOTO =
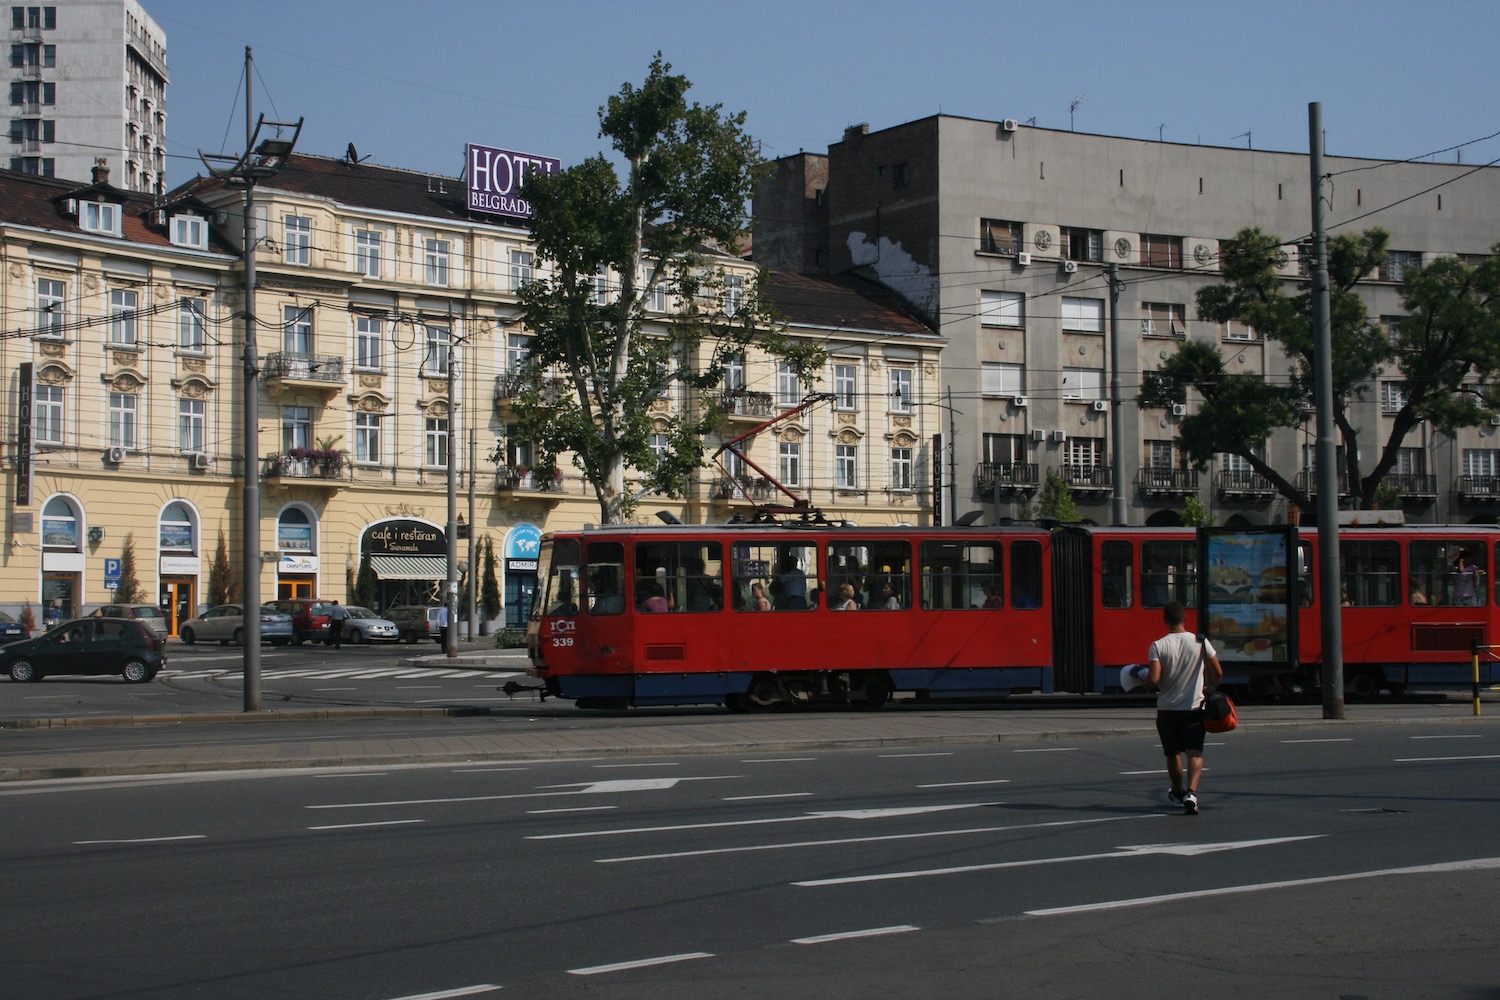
x=1331, y=592
x=257, y=163
x=1116, y=411
x=473, y=573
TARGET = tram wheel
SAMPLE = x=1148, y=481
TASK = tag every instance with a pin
x=764, y=692
x=1361, y=685
x=873, y=693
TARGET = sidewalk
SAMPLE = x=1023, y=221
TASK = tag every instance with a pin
x=1026, y=719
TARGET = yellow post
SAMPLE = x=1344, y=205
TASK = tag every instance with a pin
x=1476, y=679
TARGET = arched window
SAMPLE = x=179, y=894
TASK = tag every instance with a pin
x=294, y=532
x=60, y=522
x=177, y=531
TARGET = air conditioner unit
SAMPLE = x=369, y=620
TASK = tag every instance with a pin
x=1021, y=401
x=72, y=206
x=161, y=216
x=1059, y=436
x=1179, y=409
x=115, y=455
x=1070, y=267
x=200, y=460
x=1100, y=406
x=1038, y=435
x=1495, y=420
x=1009, y=125
x=1023, y=259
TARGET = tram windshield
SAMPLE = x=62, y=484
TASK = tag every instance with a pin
x=560, y=558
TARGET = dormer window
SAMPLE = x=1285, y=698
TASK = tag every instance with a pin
x=99, y=217
x=190, y=231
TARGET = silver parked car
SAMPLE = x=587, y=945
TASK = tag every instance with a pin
x=364, y=625
x=226, y=624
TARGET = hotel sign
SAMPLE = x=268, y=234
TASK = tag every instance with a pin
x=496, y=177
x=24, y=404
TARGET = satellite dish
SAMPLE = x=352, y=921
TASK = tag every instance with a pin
x=352, y=154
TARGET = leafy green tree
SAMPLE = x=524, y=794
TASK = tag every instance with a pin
x=1196, y=515
x=1056, y=500
x=222, y=586
x=365, y=583
x=690, y=171
x=1444, y=354
x=129, y=590
x=489, y=585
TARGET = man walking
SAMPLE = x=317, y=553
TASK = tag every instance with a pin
x=337, y=616
x=1178, y=662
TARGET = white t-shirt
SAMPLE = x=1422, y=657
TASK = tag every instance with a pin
x=1181, y=686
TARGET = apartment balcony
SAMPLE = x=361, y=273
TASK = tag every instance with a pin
x=742, y=405
x=1479, y=489
x=512, y=385
x=1307, y=482
x=319, y=374
x=1087, y=478
x=1244, y=487
x=1412, y=487
x=1006, y=477
x=1167, y=482
x=746, y=491
x=305, y=467
x=521, y=482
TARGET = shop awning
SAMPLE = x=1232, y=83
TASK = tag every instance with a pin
x=410, y=567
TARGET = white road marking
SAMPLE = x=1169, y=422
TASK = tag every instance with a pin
x=1046, y=750
x=590, y=788
x=804, y=818
x=1428, y=760
x=640, y=963
x=1454, y=736
x=773, y=760
x=948, y=753
x=1331, y=739
x=486, y=770
x=462, y=991
x=337, y=689
x=664, y=763
x=843, y=841
x=960, y=784
x=143, y=840
x=356, y=826
x=849, y=935
x=778, y=795
x=576, y=809
x=1478, y=864
x=1140, y=850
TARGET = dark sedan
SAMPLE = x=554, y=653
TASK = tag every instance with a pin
x=11, y=630
x=123, y=646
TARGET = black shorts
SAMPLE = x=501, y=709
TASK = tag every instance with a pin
x=1180, y=732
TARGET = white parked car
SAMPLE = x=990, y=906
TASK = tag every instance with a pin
x=226, y=623
x=364, y=625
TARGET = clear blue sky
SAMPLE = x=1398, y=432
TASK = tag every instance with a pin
x=410, y=82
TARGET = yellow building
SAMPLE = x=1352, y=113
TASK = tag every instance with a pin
x=388, y=347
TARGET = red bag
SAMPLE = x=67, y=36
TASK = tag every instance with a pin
x=1219, y=713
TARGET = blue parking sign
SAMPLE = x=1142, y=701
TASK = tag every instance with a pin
x=111, y=574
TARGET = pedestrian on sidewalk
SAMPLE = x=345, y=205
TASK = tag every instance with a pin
x=442, y=621
x=1178, y=663
x=337, y=616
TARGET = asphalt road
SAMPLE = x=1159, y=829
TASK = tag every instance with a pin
x=1357, y=864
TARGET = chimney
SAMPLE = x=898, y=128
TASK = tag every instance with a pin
x=101, y=171
x=852, y=131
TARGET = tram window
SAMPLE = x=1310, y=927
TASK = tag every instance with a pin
x=1169, y=572
x=786, y=571
x=1304, y=575
x=1371, y=573
x=961, y=575
x=867, y=566
x=1116, y=574
x=604, y=580
x=1025, y=575
x=561, y=597
x=690, y=575
x=1433, y=567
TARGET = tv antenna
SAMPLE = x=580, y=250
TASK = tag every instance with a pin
x=1074, y=107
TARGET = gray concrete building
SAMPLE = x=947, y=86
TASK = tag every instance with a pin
x=88, y=81
x=1002, y=235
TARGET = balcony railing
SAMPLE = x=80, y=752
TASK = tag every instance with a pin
x=1245, y=486
x=1479, y=489
x=1154, y=481
x=1007, y=477
x=292, y=367
x=508, y=480
x=1087, y=478
x=1307, y=482
x=742, y=403
x=513, y=384
x=305, y=463
x=744, y=490
x=1413, y=486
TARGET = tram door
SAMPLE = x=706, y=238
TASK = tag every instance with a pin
x=1072, y=612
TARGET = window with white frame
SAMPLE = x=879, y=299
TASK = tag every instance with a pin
x=48, y=409
x=369, y=341
x=846, y=466
x=1081, y=315
x=439, y=342
x=435, y=443
x=1410, y=462
x=1002, y=309
x=657, y=297
x=1001, y=378
x=296, y=427
x=734, y=372
x=1235, y=330
x=1161, y=455
x=51, y=308
x=1398, y=262
x=734, y=293
x=1083, y=383
x=1163, y=319
x=192, y=325
x=522, y=263
x=1482, y=461
x=367, y=252
x=517, y=351
x=1392, y=397
x=599, y=293
x=99, y=217
x=788, y=385
x=190, y=231
x=437, y=262
x=122, y=420
x=789, y=463
x=122, y=314
x=192, y=425
x=1238, y=467
x=297, y=244
x=660, y=445
x=901, y=468
x=845, y=385
x=1084, y=452
x=1000, y=236
x=368, y=446
x=296, y=330
x=1082, y=244
x=901, y=400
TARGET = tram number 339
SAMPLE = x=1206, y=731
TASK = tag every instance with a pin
x=566, y=640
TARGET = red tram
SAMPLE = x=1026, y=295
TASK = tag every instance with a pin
x=756, y=615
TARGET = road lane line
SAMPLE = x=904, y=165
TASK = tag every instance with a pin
x=356, y=826
x=960, y=784
x=1453, y=736
x=576, y=809
x=754, y=798
x=1331, y=739
x=1439, y=760
x=850, y=935
x=947, y=753
x=640, y=963
x=1477, y=864
x=462, y=991
x=144, y=840
x=804, y=818
x=1046, y=750
x=773, y=760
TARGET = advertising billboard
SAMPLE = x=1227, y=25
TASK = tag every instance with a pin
x=496, y=178
x=1250, y=600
